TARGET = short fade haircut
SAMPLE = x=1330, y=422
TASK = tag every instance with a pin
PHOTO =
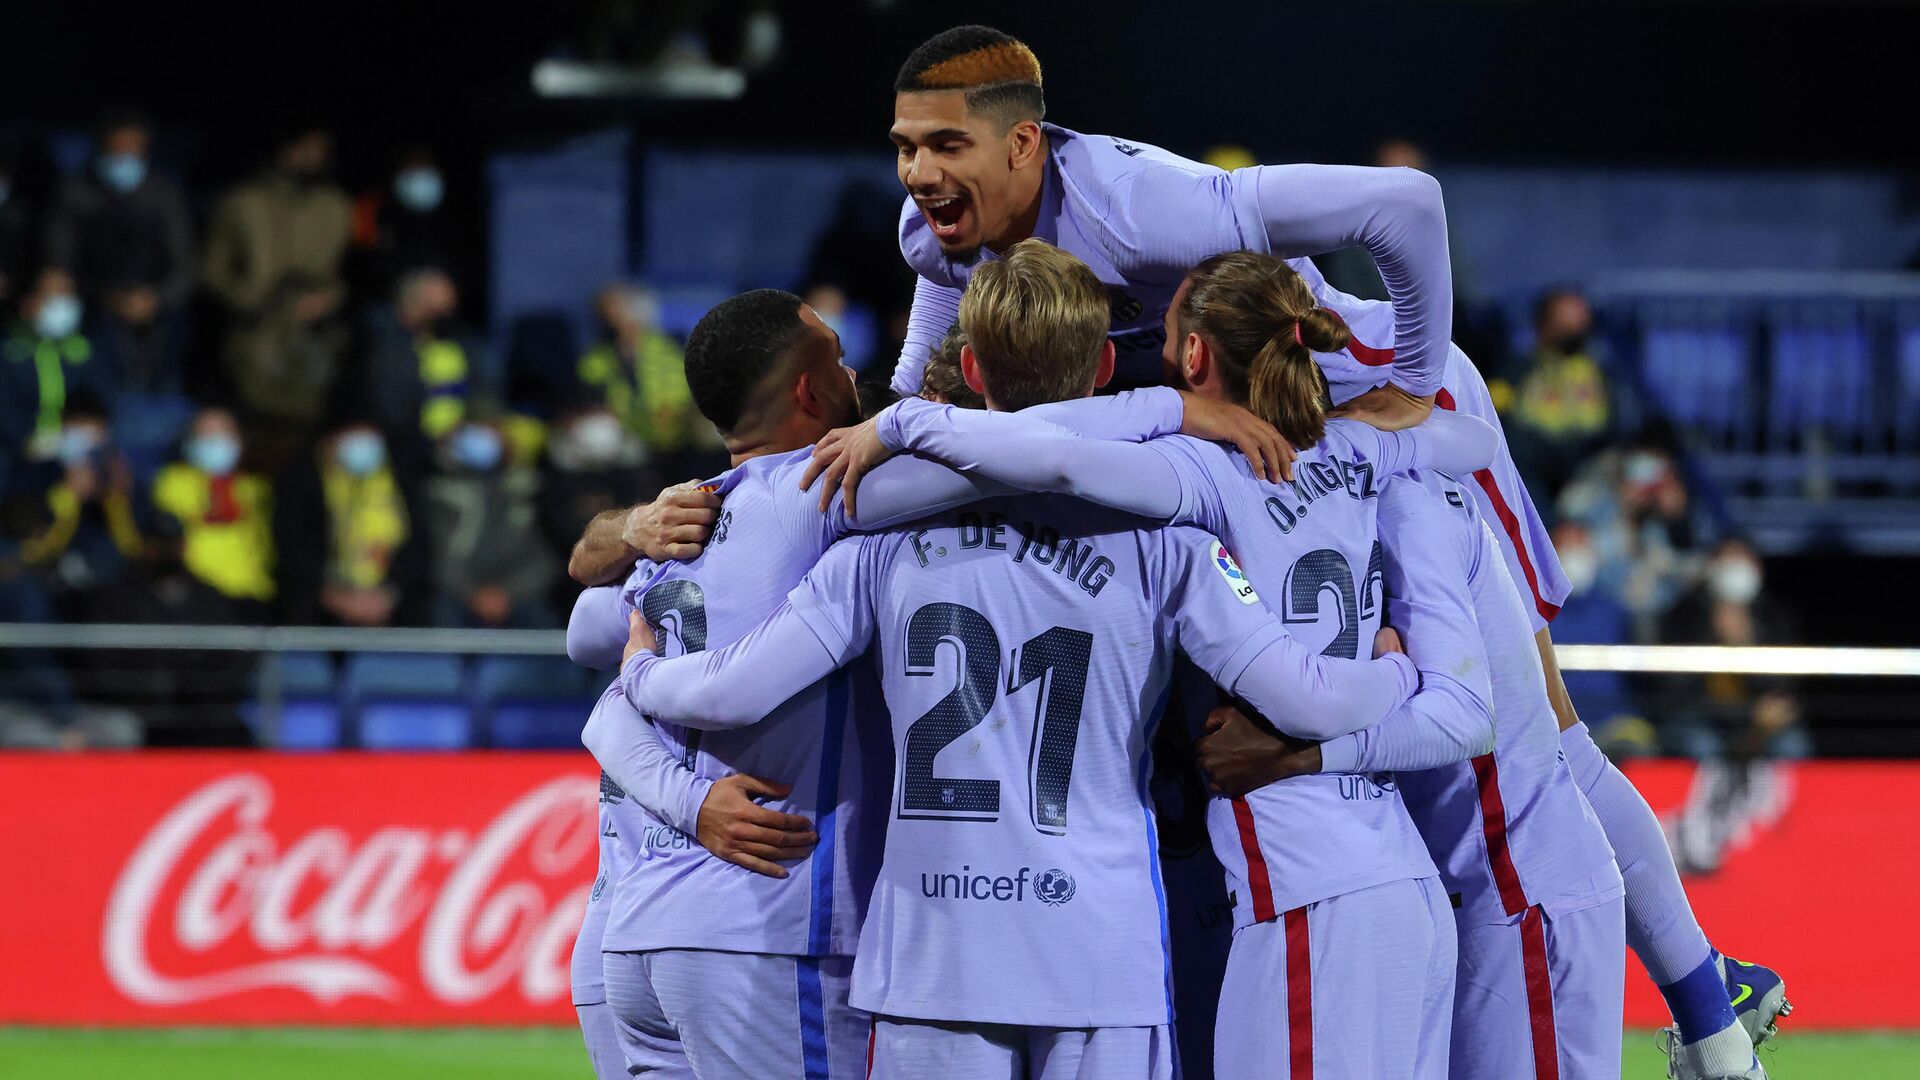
x=735, y=347
x=1036, y=320
x=1000, y=75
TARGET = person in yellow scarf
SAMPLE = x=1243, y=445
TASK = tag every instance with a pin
x=348, y=534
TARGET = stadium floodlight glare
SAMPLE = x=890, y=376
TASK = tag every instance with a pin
x=679, y=82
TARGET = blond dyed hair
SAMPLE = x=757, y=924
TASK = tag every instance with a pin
x=1036, y=320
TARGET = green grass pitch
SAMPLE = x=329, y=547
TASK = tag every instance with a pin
x=555, y=1054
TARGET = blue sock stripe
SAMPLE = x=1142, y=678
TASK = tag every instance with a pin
x=1698, y=1001
x=813, y=1018
x=825, y=813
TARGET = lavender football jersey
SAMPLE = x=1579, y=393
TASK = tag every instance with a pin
x=1024, y=648
x=1502, y=498
x=676, y=895
x=1311, y=548
x=668, y=891
x=1141, y=217
x=1509, y=829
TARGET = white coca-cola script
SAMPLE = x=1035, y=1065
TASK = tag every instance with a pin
x=252, y=898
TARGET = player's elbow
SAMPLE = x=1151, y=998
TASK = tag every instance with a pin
x=1416, y=191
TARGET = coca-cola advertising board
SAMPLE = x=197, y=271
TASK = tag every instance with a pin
x=447, y=888
x=262, y=888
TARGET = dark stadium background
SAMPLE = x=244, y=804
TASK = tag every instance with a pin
x=1712, y=91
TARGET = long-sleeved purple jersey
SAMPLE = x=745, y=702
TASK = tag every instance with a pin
x=1508, y=827
x=1142, y=217
x=1024, y=646
x=1496, y=488
x=656, y=776
x=1312, y=545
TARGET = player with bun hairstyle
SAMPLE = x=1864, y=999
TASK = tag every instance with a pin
x=1344, y=948
x=983, y=170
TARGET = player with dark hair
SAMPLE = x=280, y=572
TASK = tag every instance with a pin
x=1017, y=924
x=983, y=171
x=726, y=933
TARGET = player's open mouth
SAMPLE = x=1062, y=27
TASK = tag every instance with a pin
x=945, y=214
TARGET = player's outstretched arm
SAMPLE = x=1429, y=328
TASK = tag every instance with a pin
x=734, y=686
x=1221, y=623
x=1031, y=454
x=1397, y=215
x=1451, y=718
x=825, y=622
x=1449, y=442
x=630, y=750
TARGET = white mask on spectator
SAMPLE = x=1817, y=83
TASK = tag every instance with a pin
x=361, y=452
x=419, y=189
x=1734, y=581
x=1582, y=568
x=215, y=455
x=597, y=439
x=59, y=316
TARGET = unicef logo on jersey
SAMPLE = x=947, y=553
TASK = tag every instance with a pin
x=1054, y=887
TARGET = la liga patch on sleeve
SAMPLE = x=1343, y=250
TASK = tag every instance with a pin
x=1230, y=571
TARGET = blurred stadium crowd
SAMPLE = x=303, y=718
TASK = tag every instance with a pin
x=269, y=404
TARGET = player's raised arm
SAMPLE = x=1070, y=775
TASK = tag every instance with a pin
x=1430, y=603
x=935, y=307
x=826, y=622
x=1396, y=214
x=1222, y=624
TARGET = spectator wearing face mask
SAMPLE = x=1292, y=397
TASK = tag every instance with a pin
x=221, y=514
x=421, y=369
x=1645, y=528
x=491, y=565
x=593, y=464
x=640, y=375
x=46, y=361
x=91, y=537
x=123, y=232
x=1738, y=717
x=407, y=224
x=273, y=260
x=349, y=536
x=1562, y=403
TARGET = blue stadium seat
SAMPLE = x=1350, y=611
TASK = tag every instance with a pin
x=1906, y=360
x=1820, y=375
x=304, y=724
x=502, y=677
x=415, y=725
x=535, y=726
x=404, y=675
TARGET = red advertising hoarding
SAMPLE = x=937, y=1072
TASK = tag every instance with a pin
x=446, y=888
x=271, y=888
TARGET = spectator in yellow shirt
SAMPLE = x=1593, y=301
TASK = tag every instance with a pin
x=224, y=515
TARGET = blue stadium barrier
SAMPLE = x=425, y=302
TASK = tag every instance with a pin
x=497, y=678
x=370, y=676
x=538, y=726
x=416, y=725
